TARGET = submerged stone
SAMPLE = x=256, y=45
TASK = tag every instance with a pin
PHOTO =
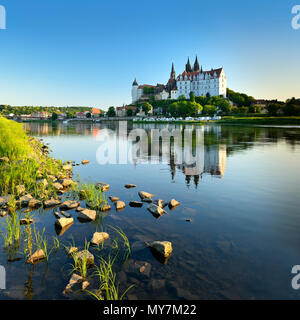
x=160, y=203
x=163, y=248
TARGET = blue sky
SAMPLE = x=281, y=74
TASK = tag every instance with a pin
x=88, y=52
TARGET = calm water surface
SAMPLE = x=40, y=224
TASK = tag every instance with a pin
x=244, y=206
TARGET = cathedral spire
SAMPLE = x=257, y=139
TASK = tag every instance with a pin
x=188, y=67
x=201, y=71
x=135, y=82
x=173, y=72
x=196, y=65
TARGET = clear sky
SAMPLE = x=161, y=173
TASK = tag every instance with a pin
x=70, y=52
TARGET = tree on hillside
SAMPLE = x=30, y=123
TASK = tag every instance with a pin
x=111, y=112
x=54, y=116
x=210, y=110
x=273, y=108
x=129, y=113
x=192, y=96
x=146, y=107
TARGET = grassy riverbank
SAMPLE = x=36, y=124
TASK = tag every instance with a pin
x=260, y=120
x=255, y=120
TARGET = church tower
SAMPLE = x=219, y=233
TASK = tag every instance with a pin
x=134, y=91
x=188, y=67
x=173, y=75
x=196, y=65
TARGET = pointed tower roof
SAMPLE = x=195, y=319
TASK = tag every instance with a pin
x=135, y=82
x=196, y=65
x=173, y=71
x=188, y=67
x=201, y=71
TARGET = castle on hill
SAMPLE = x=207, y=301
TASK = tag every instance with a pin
x=201, y=83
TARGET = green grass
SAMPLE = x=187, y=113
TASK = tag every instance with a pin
x=107, y=278
x=93, y=196
x=13, y=140
x=81, y=264
x=260, y=120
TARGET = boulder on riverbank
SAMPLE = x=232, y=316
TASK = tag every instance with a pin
x=34, y=204
x=99, y=237
x=4, y=160
x=4, y=200
x=24, y=201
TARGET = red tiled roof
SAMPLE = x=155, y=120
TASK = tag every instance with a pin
x=145, y=85
x=96, y=111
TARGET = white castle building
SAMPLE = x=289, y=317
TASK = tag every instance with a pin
x=201, y=83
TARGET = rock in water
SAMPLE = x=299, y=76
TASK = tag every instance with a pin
x=85, y=284
x=85, y=161
x=64, y=222
x=155, y=210
x=67, y=167
x=34, y=203
x=66, y=182
x=4, y=200
x=24, y=200
x=99, y=237
x=163, y=248
x=26, y=221
x=20, y=190
x=136, y=204
x=105, y=207
x=120, y=205
x=173, y=204
x=160, y=203
x=113, y=199
x=85, y=255
x=128, y=186
x=102, y=186
x=144, y=195
x=74, y=280
x=51, y=203
x=57, y=186
x=69, y=205
x=87, y=215
x=36, y=257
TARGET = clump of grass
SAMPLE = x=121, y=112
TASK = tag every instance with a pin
x=124, y=238
x=12, y=225
x=81, y=264
x=41, y=242
x=94, y=197
x=28, y=240
x=56, y=243
x=107, y=277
